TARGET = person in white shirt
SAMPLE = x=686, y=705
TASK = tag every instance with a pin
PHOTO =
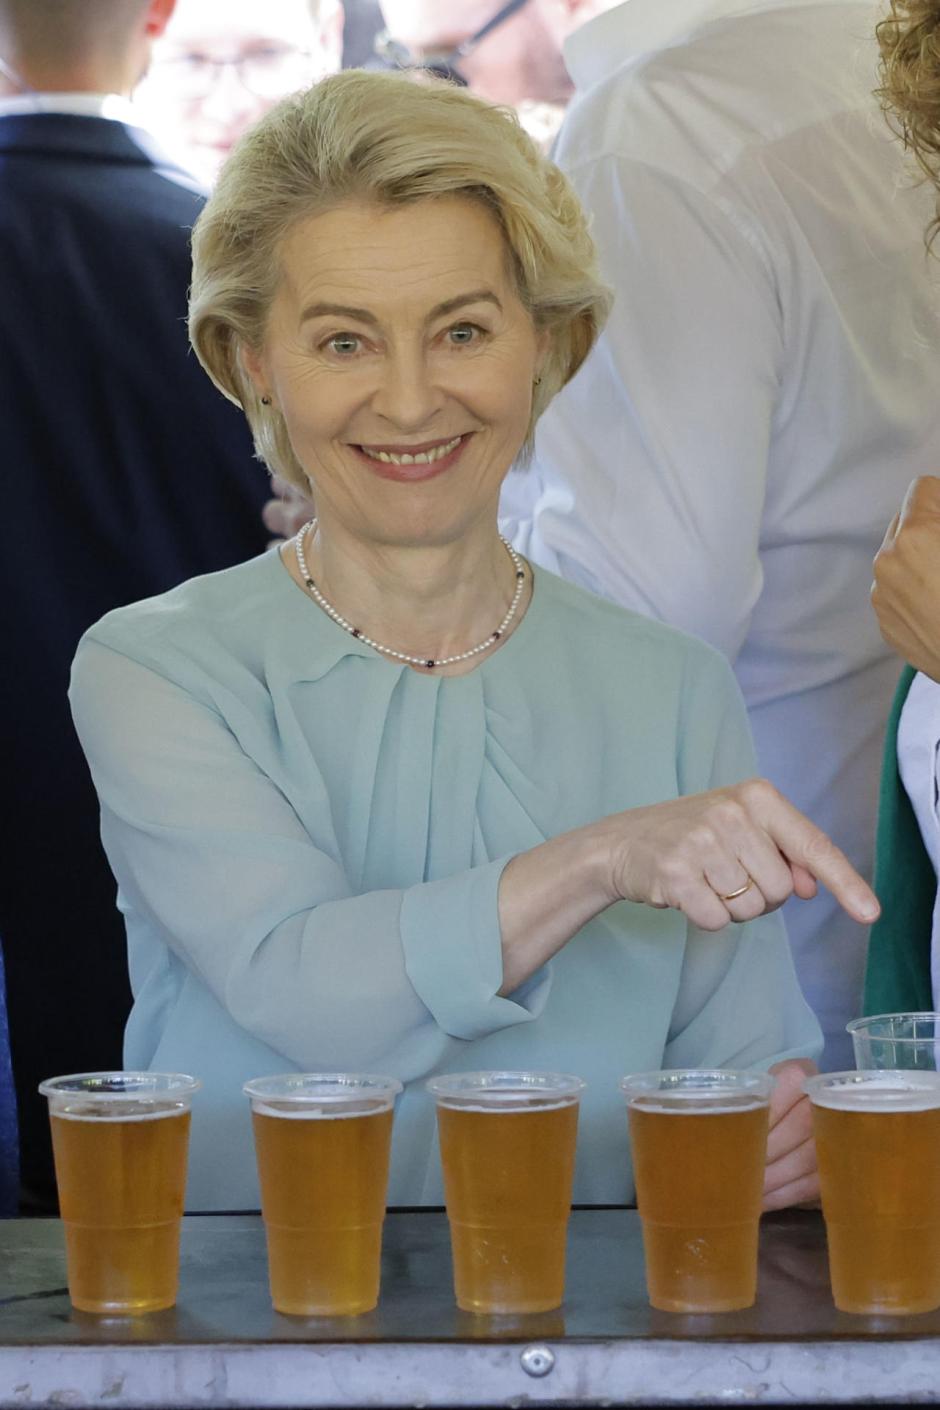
x=904, y=953
x=728, y=458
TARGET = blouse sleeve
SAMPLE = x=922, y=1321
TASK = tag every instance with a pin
x=739, y=1002
x=211, y=855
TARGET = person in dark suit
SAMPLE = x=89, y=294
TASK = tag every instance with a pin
x=124, y=472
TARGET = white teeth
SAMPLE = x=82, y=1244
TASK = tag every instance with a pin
x=424, y=457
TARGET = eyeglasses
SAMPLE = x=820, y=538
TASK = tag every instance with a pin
x=268, y=71
x=396, y=55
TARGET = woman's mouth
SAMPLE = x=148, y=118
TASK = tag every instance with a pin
x=410, y=463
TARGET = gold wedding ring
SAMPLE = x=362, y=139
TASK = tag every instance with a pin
x=733, y=895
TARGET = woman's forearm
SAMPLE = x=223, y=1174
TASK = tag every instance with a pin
x=546, y=895
x=731, y=854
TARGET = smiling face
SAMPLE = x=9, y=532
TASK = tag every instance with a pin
x=402, y=360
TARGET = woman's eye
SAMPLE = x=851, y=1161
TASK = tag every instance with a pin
x=462, y=334
x=344, y=344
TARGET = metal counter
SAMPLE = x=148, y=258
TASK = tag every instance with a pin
x=223, y=1345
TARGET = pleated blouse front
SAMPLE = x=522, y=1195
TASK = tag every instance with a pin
x=308, y=842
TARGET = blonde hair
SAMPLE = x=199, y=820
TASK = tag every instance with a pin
x=909, y=39
x=383, y=138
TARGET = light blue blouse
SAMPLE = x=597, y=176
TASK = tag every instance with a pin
x=308, y=841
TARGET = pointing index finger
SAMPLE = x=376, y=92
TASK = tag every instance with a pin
x=807, y=846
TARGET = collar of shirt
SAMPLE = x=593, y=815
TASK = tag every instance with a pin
x=106, y=105
x=636, y=27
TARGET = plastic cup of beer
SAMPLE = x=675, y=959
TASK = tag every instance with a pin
x=878, y=1148
x=699, y=1145
x=507, y=1151
x=896, y=1040
x=322, y=1140
x=120, y=1141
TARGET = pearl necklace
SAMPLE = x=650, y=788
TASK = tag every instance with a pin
x=429, y=663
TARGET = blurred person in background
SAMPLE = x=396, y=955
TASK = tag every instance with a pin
x=507, y=53
x=220, y=66
x=124, y=472
x=904, y=950
x=728, y=457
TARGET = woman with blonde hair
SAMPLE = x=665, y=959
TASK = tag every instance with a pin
x=387, y=798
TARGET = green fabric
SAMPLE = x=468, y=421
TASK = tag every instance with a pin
x=897, y=978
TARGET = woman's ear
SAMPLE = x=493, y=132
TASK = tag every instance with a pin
x=252, y=360
x=543, y=346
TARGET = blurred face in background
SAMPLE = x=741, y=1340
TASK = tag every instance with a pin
x=223, y=63
x=519, y=61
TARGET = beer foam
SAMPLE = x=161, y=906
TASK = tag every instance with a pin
x=131, y=1111
x=295, y=1111
x=892, y=1091
x=512, y=1102
x=692, y=1103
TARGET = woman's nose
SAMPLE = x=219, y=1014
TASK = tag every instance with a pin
x=407, y=397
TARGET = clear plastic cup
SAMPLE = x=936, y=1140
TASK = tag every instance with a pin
x=896, y=1040
x=699, y=1143
x=878, y=1147
x=120, y=1141
x=507, y=1150
x=322, y=1140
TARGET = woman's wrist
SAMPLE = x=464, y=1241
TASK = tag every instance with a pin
x=605, y=851
x=586, y=861
x=547, y=894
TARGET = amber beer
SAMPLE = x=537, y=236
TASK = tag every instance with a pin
x=699, y=1145
x=507, y=1150
x=120, y=1142
x=878, y=1147
x=322, y=1142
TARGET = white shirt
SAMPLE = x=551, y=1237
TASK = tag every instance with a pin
x=732, y=451
x=918, y=747
x=106, y=105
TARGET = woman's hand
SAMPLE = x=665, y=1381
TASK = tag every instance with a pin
x=790, y=1175
x=691, y=853
x=906, y=590
x=728, y=855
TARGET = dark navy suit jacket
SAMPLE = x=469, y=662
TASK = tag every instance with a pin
x=123, y=472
